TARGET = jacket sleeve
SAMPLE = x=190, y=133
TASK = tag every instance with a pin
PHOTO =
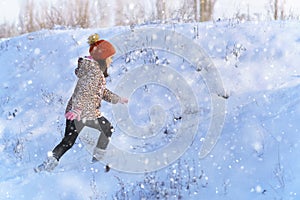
x=69, y=105
x=110, y=96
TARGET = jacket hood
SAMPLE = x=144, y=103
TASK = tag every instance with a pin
x=84, y=66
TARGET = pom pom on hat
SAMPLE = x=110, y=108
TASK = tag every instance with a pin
x=93, y=39
x=100, y=49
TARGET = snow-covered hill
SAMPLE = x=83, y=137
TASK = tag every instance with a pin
x=256, y=156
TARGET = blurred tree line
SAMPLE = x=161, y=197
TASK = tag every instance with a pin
x=36, y=15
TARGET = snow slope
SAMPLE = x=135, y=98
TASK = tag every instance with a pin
x=256, y=156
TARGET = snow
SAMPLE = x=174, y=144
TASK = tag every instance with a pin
x=255, y=156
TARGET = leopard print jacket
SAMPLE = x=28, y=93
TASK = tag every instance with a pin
x=90, y=90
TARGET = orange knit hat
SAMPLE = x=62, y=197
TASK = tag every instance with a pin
x=100, y=49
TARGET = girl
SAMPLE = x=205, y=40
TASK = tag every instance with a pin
x=83, y=106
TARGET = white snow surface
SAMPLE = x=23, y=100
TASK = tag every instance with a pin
x=256, y=156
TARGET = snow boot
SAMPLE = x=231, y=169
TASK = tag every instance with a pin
x=47, y=165
x=98, y=154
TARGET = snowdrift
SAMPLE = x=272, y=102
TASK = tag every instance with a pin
x=256, y=155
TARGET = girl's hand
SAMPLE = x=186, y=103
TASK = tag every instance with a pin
x=73, y=114
x=123, y=100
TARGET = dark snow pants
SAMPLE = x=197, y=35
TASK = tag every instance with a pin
x=73, y=129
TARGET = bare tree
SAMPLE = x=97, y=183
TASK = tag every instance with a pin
x=36, y=15
x=8, y=30
x=26, y=17
x=45, y=15
x=50, y=17
x=161, y=10
x=277, y=7
x=197, y=10
x=100, y=13
x=186, y=12
x=206, y=9
x=133, y=13
x=203, y=9
x=282, y=9
x=79, y=15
